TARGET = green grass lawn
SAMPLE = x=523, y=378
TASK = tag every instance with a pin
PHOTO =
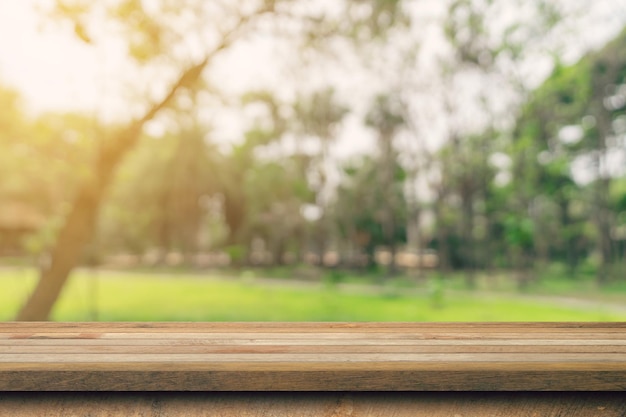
x=124, y=296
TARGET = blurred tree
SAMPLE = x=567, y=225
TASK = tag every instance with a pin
x=277, y=191
x=159, y=195
x=386, y=117
x=149, y=38
x=192, y=176
x=32, y=202
x=319, y=115
x=573, y=117
x=135, y=215
x=162, y=35
x=12, y=119
x=361, y=210
x=482, y=86
x=264, y=188
x=469, y=177
x=265, y=131
x=15, y=220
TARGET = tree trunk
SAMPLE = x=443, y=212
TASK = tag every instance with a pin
x=467, y=234
x=390, y=203
x=602, y=219
x=605, y=73
x=74, y=236
x=442, y=231
x=568, y=244
x=78, y=229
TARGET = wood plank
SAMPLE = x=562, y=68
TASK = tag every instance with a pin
x=312, y=356
x=311, y=342
x=319, y=404
x=289, y=327
x=589, y=347
x=324, y=380
x=121, y=359
x=410, y=336
x=352, y=367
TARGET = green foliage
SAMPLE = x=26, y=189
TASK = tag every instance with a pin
x=333, y=277
x=236, y=253
x=576, y=97
x=42, y=159
x=145, y=30
x=319, y=114
x=158, y=196
x=519, y=232
x=619, y=195
x=361, y=202
x=386, y=115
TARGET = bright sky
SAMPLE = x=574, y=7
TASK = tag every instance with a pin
x=50, y=70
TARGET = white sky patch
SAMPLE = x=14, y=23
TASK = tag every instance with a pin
x=52, y=71
x=503, y=178
x=616, y=163
x=613, y=164
x=500, y=160
x=582, y=170
x=571, y=134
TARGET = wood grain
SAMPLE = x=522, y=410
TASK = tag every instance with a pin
x=312, y=356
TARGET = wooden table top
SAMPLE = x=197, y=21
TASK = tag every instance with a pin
x=50, y=356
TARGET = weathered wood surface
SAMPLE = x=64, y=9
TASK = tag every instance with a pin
x=312, y=356
x=319, y=404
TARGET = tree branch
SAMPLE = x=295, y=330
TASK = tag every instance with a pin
x=192, y=74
